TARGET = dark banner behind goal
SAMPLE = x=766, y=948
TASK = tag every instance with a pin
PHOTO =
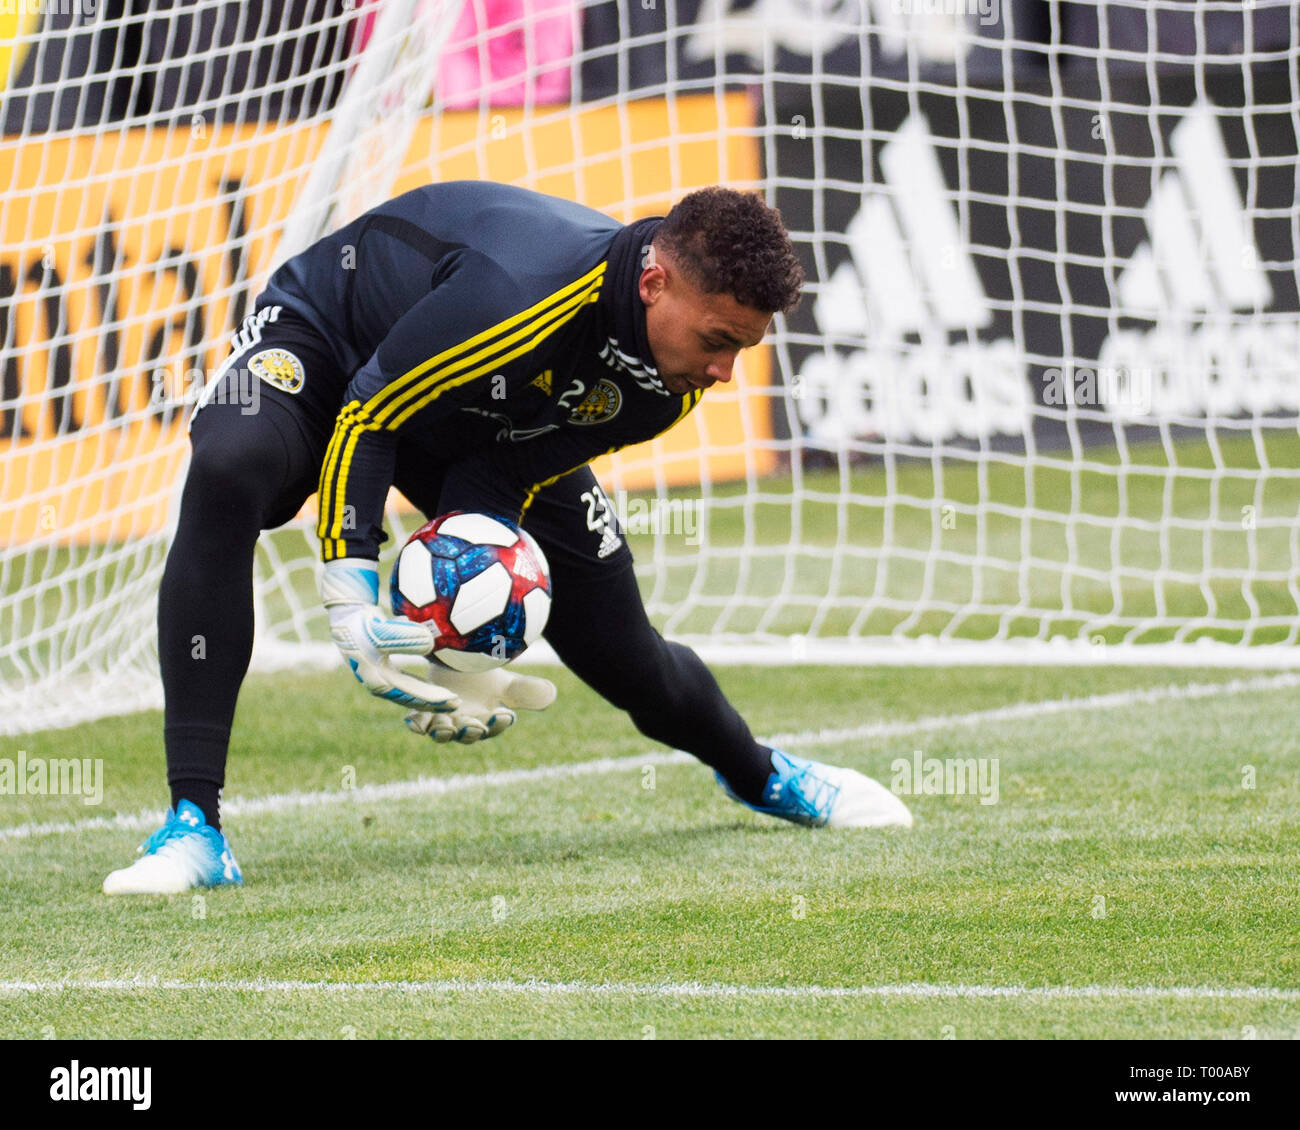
x=1036, y=263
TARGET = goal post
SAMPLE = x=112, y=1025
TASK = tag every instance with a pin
x=1038, y=404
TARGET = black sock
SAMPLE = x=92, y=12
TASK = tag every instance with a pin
x=205, y=794
x=753, y=777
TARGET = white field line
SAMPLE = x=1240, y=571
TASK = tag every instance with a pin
x=687, y=989
x=440, y=786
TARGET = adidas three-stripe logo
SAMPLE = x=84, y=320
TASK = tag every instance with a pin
x=907, y=255
x=1200, y=255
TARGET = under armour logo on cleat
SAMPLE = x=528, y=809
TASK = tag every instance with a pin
x=190, y=819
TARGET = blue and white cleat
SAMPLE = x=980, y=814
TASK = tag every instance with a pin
x=184, y=853
x=817, y=795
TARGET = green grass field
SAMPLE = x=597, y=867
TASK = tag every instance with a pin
x=1138, y=877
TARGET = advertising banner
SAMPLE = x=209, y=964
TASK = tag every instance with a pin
x=129, y=256
x=983, y=259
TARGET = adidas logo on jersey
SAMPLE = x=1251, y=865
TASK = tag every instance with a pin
x=609, y=543
x=250, y=330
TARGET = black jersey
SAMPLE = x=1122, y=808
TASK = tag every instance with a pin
x=502, y=325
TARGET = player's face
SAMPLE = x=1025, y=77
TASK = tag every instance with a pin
x=694, y=336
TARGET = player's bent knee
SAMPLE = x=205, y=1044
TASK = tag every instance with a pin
x=236, y=470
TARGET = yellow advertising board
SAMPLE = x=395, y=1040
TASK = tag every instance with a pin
x=129, y=256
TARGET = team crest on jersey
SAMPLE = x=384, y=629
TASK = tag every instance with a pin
x=278, y=367
x=599, y=406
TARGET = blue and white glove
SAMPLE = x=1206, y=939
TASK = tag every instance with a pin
x=488, y=701
x=368, y=637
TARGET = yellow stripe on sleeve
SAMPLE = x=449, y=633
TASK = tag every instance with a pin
x=480, y=349
x=325, y=493
x=352, y=422
x=540, y=330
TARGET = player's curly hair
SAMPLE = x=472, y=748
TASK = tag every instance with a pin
x=731, y=242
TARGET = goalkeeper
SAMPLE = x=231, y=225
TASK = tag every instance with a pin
x=476, y=346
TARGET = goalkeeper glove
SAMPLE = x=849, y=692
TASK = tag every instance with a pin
x=367, y=636
x=488, y=701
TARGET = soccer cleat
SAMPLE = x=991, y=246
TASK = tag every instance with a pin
x=184, y=853
x=817, y=795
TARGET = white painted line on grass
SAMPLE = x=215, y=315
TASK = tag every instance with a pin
x=441, y=786
x=1022, y=710
x=686, y=989
x=394, y=790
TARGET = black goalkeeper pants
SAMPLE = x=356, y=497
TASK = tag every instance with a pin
x=253, y=470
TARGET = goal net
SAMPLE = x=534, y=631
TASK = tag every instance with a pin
x=1039, y=401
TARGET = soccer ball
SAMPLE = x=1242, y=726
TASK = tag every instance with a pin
x=480, y=582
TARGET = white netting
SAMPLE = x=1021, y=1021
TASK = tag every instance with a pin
x=1041, y=387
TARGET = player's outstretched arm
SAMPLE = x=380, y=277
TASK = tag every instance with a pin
x=488, y=701
x=368, y=637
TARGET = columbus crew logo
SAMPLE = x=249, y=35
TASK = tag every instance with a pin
x=600, y=405
x=278, y=367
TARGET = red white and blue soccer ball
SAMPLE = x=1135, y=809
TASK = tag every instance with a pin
x=480, y=582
